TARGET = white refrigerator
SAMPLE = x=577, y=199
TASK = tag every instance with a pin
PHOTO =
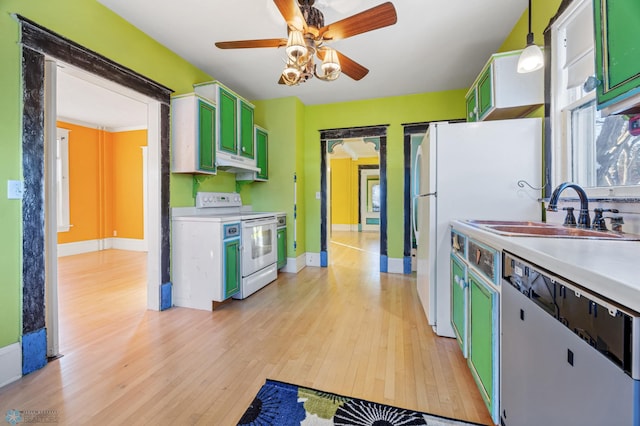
x=469, y=171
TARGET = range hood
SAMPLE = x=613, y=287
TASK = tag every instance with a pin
x=235, y=164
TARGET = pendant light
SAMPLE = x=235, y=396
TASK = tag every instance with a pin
x=531, y=58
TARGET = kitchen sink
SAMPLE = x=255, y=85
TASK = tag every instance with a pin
x=512, y=228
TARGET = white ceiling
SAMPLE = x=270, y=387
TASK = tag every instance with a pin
x=81, y=100
x=435, y=45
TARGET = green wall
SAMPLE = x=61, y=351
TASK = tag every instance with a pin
x=542, y=12
x=283, y=118
x=393, y=111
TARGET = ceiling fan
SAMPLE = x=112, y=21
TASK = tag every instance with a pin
x=308, y=35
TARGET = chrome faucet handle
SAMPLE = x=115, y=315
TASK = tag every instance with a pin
x=570, y=219
x=616, y=223
x=599, y=223
x=598, y=220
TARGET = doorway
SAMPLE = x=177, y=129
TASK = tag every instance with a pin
x=329, y=141
x=100, y=195
x=354, y=200
x=41, y=50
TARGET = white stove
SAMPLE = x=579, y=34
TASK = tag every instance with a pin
x=209, y=232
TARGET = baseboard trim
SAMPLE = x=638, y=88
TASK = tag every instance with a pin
x=131, y=244
x=312, y=259
x=395, y=265
x=10, y=363
x=88, y=246
x=294, y=264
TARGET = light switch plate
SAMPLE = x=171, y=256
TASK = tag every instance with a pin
x=317, y=195
x=15, y=190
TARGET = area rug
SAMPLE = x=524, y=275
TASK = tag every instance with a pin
x=284, y=404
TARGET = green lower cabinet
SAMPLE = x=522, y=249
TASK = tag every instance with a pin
x=617, y=30
x=483, y=340
x=282, y=247
x=459, y=304
x=231, y=267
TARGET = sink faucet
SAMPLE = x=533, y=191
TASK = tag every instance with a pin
x=583, y=220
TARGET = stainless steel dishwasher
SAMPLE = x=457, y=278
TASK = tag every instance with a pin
x=569, y=357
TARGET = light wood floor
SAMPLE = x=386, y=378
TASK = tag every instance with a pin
x=346, y=329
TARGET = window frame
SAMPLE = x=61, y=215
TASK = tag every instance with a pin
x=562, y=102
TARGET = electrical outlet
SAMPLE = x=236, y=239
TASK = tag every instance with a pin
x=15, y=190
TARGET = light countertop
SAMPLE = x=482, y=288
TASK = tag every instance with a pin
x=608, y=268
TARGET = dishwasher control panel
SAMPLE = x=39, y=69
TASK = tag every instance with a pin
x=611, y=329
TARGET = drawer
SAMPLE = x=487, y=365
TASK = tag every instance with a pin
x=485, y=260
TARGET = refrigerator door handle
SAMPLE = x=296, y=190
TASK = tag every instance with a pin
x=417, y=189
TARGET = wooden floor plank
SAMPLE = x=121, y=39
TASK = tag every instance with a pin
x=346, y=328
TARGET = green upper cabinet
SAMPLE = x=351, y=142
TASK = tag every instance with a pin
x=484, y=93
x=228, y=118
x=472, y=112
x=617, y=31
x=500, y=92
x=206, y=136
x=236, y=151
x=262, y=149
x=261, y=137
x=193, y=135
x=247, y=143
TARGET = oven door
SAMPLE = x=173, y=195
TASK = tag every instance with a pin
x=259, y=244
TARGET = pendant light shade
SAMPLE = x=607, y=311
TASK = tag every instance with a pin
x=531, y=58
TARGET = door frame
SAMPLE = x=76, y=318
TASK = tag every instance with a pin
x=39, y=43
x=378, y=132
x=364, y=171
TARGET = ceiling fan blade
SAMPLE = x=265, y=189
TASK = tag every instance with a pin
x=371, y=19
x=352, y=68
x=292, y=14
x=246, y=44
x=349, y=66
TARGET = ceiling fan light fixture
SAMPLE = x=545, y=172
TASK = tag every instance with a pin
x=296, y=46
x=330, y=65
x=291, y=75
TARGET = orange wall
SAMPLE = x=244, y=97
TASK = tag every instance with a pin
x=127, y=183
x=105, y=184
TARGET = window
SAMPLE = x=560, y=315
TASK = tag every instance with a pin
x=62, y=179
x=593, y=151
